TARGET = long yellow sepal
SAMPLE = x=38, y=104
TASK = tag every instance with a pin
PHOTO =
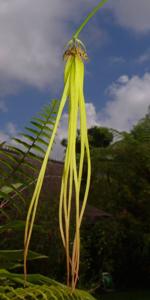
x=72, y=175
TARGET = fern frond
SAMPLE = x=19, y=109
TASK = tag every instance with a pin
x=16, y=161
x=38, y=287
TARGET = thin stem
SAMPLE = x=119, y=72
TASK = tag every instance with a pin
x=91, y=14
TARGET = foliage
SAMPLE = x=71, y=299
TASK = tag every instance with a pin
x=37, y=287
x=19, y=165
x=98, y=137
x=121, y=244
x=136, y=294
x=141, y=131
x=20, y=159
x=12, y=259
x=121, y=185
x=99, y=239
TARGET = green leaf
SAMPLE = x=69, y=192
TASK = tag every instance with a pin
x=19, y=225
x=24, y=174
x=29, y=137
x=41, y=141
x=30, y=166
x=44, y=134
x=8, y=258
x=39, y=286
x=7, y=155
x=7, y=164
x=16, y=150
x=19, y=141
x=47, y=128
x=37, y=125
x=38, y=148
x=39, y=120
x=3, y=213
x=9, y=189
x=36, y=132
x=34, y=156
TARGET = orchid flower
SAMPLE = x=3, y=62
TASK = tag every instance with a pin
x=73, y=92
x=72, y=174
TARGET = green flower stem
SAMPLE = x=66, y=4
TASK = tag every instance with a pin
x=91, y=14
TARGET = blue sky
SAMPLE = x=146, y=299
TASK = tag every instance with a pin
x=117, y=81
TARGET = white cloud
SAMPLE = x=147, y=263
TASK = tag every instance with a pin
x=92, y=117
x=3, y=136
x=3, y=107
x=92, y=120
x=33, y=34
x=7, y=132
x=95, y=35
x=115, y=60
x=11, y=128
x=144, y=58
x=134, y=14
x=128, y=102
x=123, y=79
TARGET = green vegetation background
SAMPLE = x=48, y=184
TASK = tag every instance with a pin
x=119, y=243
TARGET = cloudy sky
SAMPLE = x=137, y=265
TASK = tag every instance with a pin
x=32, y=38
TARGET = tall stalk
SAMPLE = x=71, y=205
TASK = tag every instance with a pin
x=90, y=15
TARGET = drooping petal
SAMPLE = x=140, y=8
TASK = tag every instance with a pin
x=35, y=198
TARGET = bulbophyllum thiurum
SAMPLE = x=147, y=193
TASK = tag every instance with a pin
x=74, y=58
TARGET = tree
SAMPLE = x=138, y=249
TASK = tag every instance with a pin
x=141, y=131
x=121, y=185
x=99, y=137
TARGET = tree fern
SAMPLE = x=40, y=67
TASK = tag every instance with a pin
x=38, y=287
x=20, y=158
